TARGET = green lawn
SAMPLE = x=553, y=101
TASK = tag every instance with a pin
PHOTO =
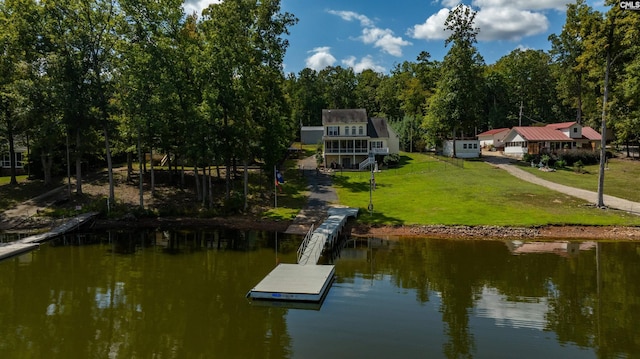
x=619, y=178
x=425, y=190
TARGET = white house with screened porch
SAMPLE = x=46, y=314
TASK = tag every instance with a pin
x=352, y=140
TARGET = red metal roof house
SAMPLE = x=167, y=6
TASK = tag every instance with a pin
x=550, y=139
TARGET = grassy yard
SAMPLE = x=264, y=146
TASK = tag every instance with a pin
x=425, y=190
x=619, y=178
x=294, y=191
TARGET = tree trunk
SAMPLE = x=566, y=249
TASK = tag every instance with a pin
x=204, y=185
x=246, y=185
x=68, y=167
x=195, y=174
x=129, y=166
x=12, y=157
x=210, y=189
x=140, y=173
x=47, y=164
x=182, y=176
x=152, y=174
x=107, y=145
x=78, y=163
x=603, y=141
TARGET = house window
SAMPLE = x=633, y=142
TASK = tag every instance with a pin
x=475, y=146
x=333, y=131
x=375, y=144
x=464, y=146
x=361, y=130
x=5, y=161
x=353, y=130
x=575, y=130
x=346, y=131
x=18, y=159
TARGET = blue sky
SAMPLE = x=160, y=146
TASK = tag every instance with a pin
x=377, y=34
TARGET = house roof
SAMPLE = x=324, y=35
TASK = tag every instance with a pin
x=561, y=125
x=358, y=115
x=591, y=134
x=552, y=132
x=493, y=132
x=377, y=128
x=541, y=134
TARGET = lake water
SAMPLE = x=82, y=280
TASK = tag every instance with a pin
x=182, y=295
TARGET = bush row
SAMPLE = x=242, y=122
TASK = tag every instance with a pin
x=567, y=158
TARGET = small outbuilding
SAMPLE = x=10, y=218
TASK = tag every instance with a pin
x=311, y=135
x=461, y=148
x=493, y=138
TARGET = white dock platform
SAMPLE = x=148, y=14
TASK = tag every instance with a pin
x=306, y=281
x=295, y=283
x=13, y=249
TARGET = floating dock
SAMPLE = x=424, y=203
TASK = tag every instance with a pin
x=8, y=250
x=295, y=282
x=306, y=281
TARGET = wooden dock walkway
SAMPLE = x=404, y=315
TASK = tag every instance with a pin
x=306, y=281
x=8, y=250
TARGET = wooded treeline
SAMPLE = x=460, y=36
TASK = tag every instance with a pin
x=83, y=81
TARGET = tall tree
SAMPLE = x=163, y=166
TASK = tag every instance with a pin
x=18, y=41
x=339, y=85
x=306, y=97
x=454, y=109
x=83, y=35
x=366, y=90
x=566, y=48
x=609, y=41
x=531, y=86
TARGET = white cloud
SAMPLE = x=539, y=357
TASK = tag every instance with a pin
x=450, y=3
x=191, y=6
x=496, y=19
x=350, y=15
x=509, y=24
x=320, y=59
x=364, y=64
x=432, y=28
x=380, y=38
x=385, y=40
x=523, y=4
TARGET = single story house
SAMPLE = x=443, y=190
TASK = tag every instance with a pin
x=550, y=139
x=461, y=148
x=352, y=140
x=493, y=138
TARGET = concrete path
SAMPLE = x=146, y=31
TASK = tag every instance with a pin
x=321, y=196
x=507, y=164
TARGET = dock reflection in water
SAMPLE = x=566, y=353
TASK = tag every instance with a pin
x=181, y=294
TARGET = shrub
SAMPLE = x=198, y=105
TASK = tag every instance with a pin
x=586, y=157
x=578, y=166
x=560, y=164
x=391, y=160
x=529, y=157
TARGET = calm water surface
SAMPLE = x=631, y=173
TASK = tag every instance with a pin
x=182, y=295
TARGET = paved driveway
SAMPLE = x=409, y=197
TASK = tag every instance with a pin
x=508, y=165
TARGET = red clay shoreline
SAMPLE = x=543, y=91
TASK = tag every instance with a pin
x=569, y=232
